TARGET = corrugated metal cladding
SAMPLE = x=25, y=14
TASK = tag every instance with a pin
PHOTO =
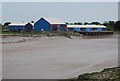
x=42, y=24
x=16, y=27
x=27, y=26
x=86, y=29
x=45, y=25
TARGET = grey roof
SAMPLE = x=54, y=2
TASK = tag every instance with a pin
x=54, y=20
x=19, y=24
x=86, y=26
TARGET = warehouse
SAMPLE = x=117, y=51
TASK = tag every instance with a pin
x=21, y=26
x=87, y=28
x=50, y=24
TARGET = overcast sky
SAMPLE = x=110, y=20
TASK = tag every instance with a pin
x=68, y=11
x=60, y=0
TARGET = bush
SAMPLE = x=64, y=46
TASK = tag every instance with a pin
x=85, y=76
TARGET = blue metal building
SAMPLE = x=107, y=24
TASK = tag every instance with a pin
x=20, y=26
x=50, y=24
x=86, y=28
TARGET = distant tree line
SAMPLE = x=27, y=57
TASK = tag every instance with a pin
x=85, y=23
x=112, y=25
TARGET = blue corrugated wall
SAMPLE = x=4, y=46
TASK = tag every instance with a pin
x=42, y=24
x=16, y=27
x=76, y=29
x=100, y=29
x=88, y=29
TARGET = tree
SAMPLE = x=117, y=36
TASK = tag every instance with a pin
x=117, y=25
x=112, y=23
x=109, y=24
x=7, y=23
x=71, y=23
x=86, y=23
x=75, y=23
x=32, y=21
x=96, y=23
x=105, y=23
x=66, y=22
x=79, y=23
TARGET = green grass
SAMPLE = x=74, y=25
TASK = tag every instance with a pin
x=34, y=33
